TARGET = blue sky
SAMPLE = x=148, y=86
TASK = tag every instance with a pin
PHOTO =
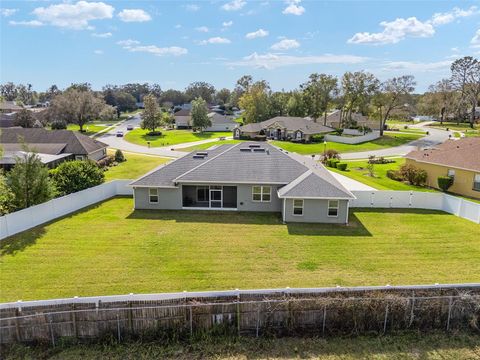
x=174, y=43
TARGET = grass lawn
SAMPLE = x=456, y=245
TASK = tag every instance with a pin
x=390, y=139
x=208, y=145
x=90, y=129
x=170, y=137
x=135, y=166
x=112, y=249
x=357, y=170
x=410, y=345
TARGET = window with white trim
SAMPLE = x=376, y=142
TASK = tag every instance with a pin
x=298, y=207
x=476, y=182
x=79, y=157
x=261, y=193
x=451, y=173
x=202, y=193
x=333, y=206
x=153, y=195
x=299, y=135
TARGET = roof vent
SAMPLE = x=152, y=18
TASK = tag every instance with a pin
x=196, y=156
x=259, y=149
x=254, y=146
x=245, y=149
x=202, y=153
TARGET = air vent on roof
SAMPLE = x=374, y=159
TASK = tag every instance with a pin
x=196, y=156
x=258, y=150
x=202, y=153
x=245, y=149
x=254, y=146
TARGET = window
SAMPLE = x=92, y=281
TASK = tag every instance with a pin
x=202, y=193
x=299, y=135
x=261, y=193
x=153, y=195
x=78, y=157
x=451, y=173
x=297, y=207
x=476, y=182
x=333, y=208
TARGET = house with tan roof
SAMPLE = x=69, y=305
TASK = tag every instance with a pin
x=459, y=159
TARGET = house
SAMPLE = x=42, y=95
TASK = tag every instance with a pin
x=183, y=119
x=246, y=176
x=334, y=120
x=221, y=122
x=459, y=159
x=282, y=128
x=7, y=107
x=59, y=144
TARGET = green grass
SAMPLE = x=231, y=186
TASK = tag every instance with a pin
x=357, y=170
x=112, y=249
x=390, y=139
x=135, y=166
x=126, y=114
x=399, y=122
x=404, y=346
x=170, y=137
x=90, y=129
x=208, y=145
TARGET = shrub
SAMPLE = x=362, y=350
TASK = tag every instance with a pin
x=154, y=133
x=330, y=154
x=106, y=161
x=73, y=176
x=119, y=156
x=334, y=162
x=339, y=131
x=58, y=125
x=444, y=182
x=381, y=160
x=394, y=175
x=342, y=166
x=317, y=138
x=413, y=175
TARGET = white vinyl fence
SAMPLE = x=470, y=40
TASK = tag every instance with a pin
x=418, y=200
x=25, y=219
x=353, y=139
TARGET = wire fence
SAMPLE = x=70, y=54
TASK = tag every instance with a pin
x=325, y=314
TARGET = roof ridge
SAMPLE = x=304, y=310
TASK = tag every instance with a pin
x=295, y=182
x=206, y=162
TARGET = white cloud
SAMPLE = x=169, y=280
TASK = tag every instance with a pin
x=448, y=17
x=400, y=28
x=394, y=31
x=234, y=5
x=192, y=7
x=227, y=23
x=215, y=40
x=98, y=52
x=134, y=15
x=32, y=23
x=257, y=34
x=293, y=8
x=8, y=12
x=74, y=16
x=285, y=44
x=417, y=66
x=202, y=29
x=475, y=42
x=178, y=26
x=134, y=46
x=271, y=61
x=102, y=35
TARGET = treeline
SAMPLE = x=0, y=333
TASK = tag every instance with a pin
x=453, y=98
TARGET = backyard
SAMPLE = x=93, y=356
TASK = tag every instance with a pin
x=170, y=137
x=111, y=249
x=390, y=139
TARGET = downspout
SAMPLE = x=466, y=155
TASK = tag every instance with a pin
x=284, y=208
x=348, y=207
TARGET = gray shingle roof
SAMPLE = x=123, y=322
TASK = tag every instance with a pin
x=76, y=143
x=217, y=118
x=290, y=123
x=246, y=163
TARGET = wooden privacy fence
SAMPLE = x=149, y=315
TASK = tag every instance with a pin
x=324, y=312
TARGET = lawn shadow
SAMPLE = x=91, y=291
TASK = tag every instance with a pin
x=398, y=211
x=354, y=228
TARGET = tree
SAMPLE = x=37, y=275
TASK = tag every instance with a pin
x=222, y=96
x=151, y=116
x=73, y=176
x=296, y=105
x=395, y=92
x=244, y=83
x=318, y=92
x=24, y=118
x=439, y=100
x=255, y=102
x=199, y=113
x=125, y=102
x=29, y=181
x=200, y=89
x=7, y=197
x=25, y=95
x=176, y=97
x=76, y=106
x=466, y=79
x=278, y=104
x=9, y=91
x=357, y=88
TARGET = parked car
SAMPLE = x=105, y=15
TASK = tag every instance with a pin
x=130, y=127
x=119, y=133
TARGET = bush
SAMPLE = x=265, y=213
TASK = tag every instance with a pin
x=394, y=175
x=339, y=132
x=333, y=162
x=381, y=160
x=119, y=156
x=341, y=166
x=413, y=175
x=73, y=176
x=154, y=133
x=317, y=138
x=106, y=161
x=330, y=154
x=444, y=182
x=58, y=125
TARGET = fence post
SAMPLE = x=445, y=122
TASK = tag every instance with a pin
x=411, y=311
x=258, y=319
x=191, y=320
x=385, y=321
x=449, y=312
x=324, y=319
x=17, y=325
x=238, y=312
x=130, y=317
x=50, y=326
x=118, y=327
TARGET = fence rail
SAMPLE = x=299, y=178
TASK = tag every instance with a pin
x=324, y=311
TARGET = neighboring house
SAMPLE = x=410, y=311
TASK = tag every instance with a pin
x=334, y=120
x=282, y=128
x=61, y=144
x=221, y=122
x=7, y=107
x=246, y=176
x=183, y=119
x=7, y=120
x=457, y=158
